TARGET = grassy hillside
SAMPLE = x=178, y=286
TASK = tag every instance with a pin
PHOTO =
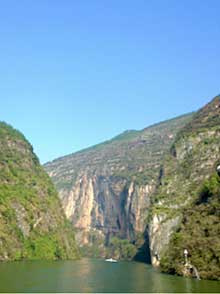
x=32, y=224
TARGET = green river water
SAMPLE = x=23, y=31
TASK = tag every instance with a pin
x=93, y=275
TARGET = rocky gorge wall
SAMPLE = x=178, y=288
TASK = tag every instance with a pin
x=146, y=186
x=106, y=190
x=106, y=206
x=187, y=178
x=194, y=161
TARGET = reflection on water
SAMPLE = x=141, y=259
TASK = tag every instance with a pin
x=90, y=275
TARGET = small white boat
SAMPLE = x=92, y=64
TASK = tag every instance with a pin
x=111, y=260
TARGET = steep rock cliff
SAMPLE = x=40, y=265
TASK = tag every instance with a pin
x=106, y=190
x=154, y=183
x=176, y=207
x=32, y=222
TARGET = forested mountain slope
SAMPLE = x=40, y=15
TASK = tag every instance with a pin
x=186, y=208
x=32, y=222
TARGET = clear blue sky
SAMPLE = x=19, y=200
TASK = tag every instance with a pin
x=75, y=73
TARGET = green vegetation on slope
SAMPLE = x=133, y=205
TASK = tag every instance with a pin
x=199, y=233
x=117, y=248
x=190, y=166
x=204, y=119
x=32, y=223
x=121, y=249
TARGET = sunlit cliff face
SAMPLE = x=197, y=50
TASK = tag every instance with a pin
x=106, y=190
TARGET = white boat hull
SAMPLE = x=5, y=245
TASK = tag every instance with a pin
x=111, y=260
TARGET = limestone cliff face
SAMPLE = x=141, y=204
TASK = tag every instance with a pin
x=153, y=183
x=193, y=159
x=106, y=190
x=193, y=162
x=160, y=231
x=137, y=205
x=106, y=206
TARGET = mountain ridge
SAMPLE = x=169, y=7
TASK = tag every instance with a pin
x=119, y=136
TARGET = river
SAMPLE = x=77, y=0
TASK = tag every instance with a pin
x=93, y=275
